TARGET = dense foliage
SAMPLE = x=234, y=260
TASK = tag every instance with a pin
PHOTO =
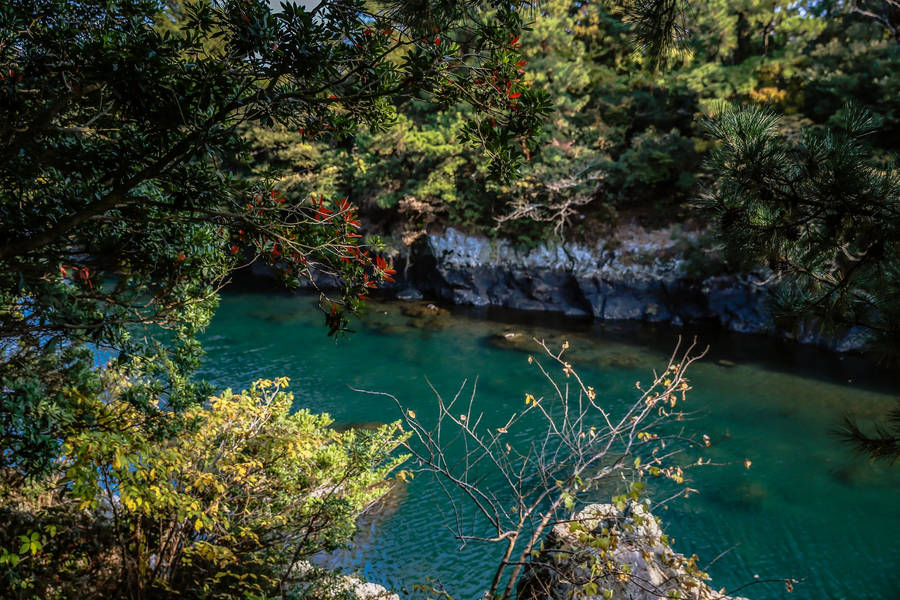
x=127, y=198
x=152, y=148
x=818, y=212
x=622, y=141
x=590, y=151
x=124, y=202
x=227, y=509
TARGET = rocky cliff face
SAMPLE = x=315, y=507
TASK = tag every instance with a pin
x=606, y=553
x=638, y=275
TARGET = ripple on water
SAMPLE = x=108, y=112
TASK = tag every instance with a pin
x=805, y=508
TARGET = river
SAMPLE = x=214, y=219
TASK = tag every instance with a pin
x=806, y=508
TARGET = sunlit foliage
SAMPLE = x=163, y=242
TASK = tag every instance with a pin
x=226, y=508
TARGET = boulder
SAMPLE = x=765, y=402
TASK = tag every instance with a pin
x=607, y=553
x=633, y=274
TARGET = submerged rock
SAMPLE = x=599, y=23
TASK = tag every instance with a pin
x=391, y=329
x=748, y=496
x=863, y=473
x=620, y=360
x=751, y=495
x=529, y=341
x=512, y=340
x=430, y=323
x=608, y=553
x=424, y=310
x=278, y=318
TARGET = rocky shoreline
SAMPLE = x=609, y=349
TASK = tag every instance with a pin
x=638, y=274
x=656, y=276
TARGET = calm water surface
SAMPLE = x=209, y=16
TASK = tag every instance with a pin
x=807, y=508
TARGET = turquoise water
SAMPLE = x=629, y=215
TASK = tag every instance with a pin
x=807, y=508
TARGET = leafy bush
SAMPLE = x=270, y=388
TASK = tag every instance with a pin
x=225, y=509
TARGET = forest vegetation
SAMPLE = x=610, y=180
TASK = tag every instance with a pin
x=151, y=149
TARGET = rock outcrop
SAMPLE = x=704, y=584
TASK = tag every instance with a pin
x=606, y=553
x=636, y=275
x=640, y=278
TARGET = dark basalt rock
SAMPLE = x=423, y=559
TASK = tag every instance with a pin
x=644, y=278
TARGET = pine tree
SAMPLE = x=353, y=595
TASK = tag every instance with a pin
x=826, y=220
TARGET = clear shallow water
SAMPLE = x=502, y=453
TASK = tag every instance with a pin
x=807, y=508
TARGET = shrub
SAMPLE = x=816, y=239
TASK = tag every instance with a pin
x=225, y=509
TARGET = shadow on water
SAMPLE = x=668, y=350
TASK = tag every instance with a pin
x=726, y=348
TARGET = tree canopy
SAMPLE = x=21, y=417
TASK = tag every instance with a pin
x=150, y=149
x=127, y=196
x=622, y=141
